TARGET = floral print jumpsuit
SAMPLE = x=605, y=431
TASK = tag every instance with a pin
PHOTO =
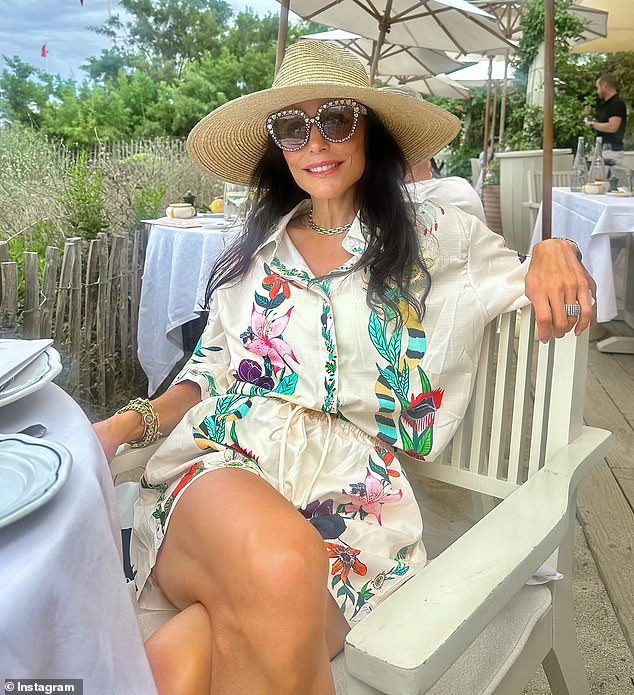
x=311, y=389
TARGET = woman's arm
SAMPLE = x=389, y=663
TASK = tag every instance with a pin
x=555, y=277
x=127, y=427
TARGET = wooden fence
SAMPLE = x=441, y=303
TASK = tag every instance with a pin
x=88, y=303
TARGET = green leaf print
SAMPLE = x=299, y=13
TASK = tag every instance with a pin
x=400, y=569
x=424, y=381
x=404, y=381
x=335, y=580
x=276, y=301
x=224, y=403
x=287, y=385
x=423, y=445
x=377, y=336
x=366, y=593
x=390, y=378
x=408, y=443
x=379, y=470
x=394, y=347
x=232, y=433
x=261, y=301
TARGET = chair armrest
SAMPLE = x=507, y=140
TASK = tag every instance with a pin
x=128, y=458
x=407, y=643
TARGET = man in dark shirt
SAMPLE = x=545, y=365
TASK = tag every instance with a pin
x=610, y=119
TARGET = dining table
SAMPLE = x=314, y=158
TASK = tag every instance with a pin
x=66, y=611
x=178, y=259
x=592, y=222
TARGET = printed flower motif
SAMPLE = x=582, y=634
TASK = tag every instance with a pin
x=274, y=283
x=370, y=496
x=317, y=508
x=251, y=372
x=420, y=412
x=346, y=560
x=262, y=338
x=321, y=516
x=388, y=457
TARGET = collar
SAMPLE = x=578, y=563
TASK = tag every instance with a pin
x=354, y=242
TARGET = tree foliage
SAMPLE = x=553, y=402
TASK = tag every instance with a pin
x=169, y=64
x=172, y=61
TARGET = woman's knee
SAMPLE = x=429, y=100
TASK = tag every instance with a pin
x=289, y=567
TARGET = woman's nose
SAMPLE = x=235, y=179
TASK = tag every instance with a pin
x=316, y=140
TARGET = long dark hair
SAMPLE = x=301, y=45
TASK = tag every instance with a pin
x=392, y=255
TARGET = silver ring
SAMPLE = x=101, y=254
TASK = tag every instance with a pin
x=572, y=309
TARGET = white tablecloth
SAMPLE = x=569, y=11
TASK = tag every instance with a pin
x=65, y=610
x=177, y=266
x=589, y=220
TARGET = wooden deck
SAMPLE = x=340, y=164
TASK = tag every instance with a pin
x=606, y=496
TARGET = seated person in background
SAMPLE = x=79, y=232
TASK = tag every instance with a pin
x=424, y=180
x=422, y=184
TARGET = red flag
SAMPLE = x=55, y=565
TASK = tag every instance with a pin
x=44, y=51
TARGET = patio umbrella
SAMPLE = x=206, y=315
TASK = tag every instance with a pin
x=439, y=86
x=509, y=12
x=620, y=27
x=447, y=25
x=393, y=59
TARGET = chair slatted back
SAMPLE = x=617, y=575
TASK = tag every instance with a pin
x=526, y=405
x=559, y=179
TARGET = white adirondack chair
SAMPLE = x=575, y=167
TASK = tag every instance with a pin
x=468, y=624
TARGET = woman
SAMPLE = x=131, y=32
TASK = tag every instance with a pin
x=344, y=325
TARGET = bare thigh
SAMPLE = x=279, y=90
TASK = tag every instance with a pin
x=230, y=528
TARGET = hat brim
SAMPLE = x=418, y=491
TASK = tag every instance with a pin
x=230, y=141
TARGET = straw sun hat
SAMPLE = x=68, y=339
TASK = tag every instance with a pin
x=230, y=140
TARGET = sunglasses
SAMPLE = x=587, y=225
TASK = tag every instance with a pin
x=336, y=121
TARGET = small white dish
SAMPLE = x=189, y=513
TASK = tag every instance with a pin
x=32, y=471
x=43, y=369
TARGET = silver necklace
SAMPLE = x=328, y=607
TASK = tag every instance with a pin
x=325, y=230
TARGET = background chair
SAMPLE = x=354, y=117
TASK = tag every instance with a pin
x=468, y=624
x=560, y=178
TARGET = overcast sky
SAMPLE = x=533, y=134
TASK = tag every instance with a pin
x=25, y=25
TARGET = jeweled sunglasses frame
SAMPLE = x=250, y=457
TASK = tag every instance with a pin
x=357, y=109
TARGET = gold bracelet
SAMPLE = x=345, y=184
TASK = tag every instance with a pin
x=149, y=419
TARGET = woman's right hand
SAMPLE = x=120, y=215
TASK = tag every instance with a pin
x=117, y=429
x=127, y=426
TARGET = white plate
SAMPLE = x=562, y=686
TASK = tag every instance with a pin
x=31, y=472
x=620, y=194
x=43, y=369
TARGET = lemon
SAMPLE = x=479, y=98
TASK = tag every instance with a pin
x=217, y=205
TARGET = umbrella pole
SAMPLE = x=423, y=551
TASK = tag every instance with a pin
x=282, y=33
x=485, y=162
x=494, y=117
x=503, y=100
x=384, y=26
x=549, y=95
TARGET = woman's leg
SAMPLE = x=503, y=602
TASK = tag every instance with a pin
x=240, y=550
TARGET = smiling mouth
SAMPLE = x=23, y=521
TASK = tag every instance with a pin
x=322, y=168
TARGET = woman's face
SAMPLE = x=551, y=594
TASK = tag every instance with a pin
x=327, y=170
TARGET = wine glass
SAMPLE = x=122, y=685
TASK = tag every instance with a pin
x=235, y=198
x=607, y=154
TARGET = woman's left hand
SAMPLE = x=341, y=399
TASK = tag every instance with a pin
x=555, y=278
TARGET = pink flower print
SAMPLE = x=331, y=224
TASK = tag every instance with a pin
x=263, y=338
x=370, y=496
